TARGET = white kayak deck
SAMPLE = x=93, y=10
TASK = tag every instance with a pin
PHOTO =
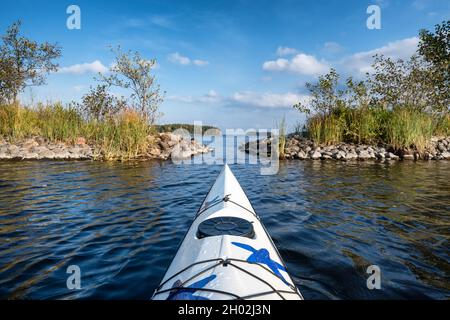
x=227, y=266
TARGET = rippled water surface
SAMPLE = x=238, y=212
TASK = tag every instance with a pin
x=122, y=223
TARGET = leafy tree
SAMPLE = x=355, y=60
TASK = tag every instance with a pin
x=325, y=95
x=99, y=104
x=400, y=82
x=435, y=49
x=24, y=62
x=357, y=93
x=132, y=71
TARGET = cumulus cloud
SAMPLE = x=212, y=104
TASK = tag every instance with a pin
x=268, y=99
x=246, y=98
x=285, y=51
x=361, y=62
x=200, y=63
x=211, y=97
x=300, y=63
x=93, y=67
x=177, y=58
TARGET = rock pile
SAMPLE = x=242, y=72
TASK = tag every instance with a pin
x=162, y=146
x=38, y=149
x=168, y=145
x=300, y=148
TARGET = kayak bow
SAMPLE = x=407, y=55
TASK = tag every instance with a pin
x=227, y=253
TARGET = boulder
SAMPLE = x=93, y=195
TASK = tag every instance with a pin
x=446, y=155
x=48, y=154
x=391, y=156
x=408, y=157
x=302, y=155
x=316, y=155
x=363, y=155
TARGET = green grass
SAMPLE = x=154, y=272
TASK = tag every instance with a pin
x=123, y=137
x=409, y=128
x=401, y=127
x=325, y=129
x=282, y=138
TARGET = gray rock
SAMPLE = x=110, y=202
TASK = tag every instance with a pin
x=13, y=148
x=294, y=149
x=446, y=155
x=302, y=155
x=391, y=156
x=441, y=147
x=47, y=155
x=30, y=156
x=364, y=154
x=316, y=155
x=408, y=157
x=351, y=156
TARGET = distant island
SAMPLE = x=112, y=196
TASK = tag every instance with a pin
x=161, y=128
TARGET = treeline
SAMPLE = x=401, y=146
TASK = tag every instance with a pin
x=189, y=127
x=401, y=103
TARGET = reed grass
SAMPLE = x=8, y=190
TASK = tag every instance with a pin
x=282, y=137
x=325, y=129
x=122, y=137
x=409, y=128
x=401, y=127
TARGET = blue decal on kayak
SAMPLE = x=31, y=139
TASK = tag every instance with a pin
x=262, y=256
x=188, y=293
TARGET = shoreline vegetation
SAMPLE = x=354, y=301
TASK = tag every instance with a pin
x=401, y=105
x=103, y=126
x=400, y=110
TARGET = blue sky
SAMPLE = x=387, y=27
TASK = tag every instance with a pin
x=234, y=64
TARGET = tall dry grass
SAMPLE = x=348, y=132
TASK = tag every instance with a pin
x=123, y=136
x=401, y=127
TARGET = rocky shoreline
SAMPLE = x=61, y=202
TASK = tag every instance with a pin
x=301, y=148
x=161, y=146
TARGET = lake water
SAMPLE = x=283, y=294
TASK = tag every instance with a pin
x=122, y=223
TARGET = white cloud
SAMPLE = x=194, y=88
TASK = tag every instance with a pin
x=94, y=67
x=210, y=98
x=246, y=98
x=361, y=62
x=285, y=51
x=200, y=63
x=276, y=65
x=268, y=99
x=300, y=63
x=177, y=58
